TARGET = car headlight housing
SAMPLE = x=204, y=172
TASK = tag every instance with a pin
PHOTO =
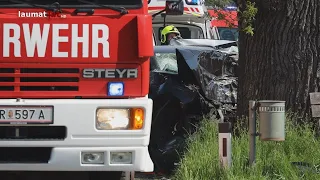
x=119, y=119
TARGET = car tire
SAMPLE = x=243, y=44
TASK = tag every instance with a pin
x=103, y=175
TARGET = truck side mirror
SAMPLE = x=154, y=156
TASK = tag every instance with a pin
x=174, y=7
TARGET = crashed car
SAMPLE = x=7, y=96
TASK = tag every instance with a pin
x=186, y=83
x=229, y=47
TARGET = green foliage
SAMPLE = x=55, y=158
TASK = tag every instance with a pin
x=248, y=17
x=273, y=159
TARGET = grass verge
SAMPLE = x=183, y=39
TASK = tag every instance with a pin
x=273, y=159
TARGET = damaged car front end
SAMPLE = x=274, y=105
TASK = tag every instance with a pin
x=186, y=84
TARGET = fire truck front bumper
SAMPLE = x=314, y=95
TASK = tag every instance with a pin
x=73, y=141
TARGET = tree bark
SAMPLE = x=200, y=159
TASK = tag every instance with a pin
x=281, y=60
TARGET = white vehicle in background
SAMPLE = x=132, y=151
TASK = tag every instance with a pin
x=195, y=23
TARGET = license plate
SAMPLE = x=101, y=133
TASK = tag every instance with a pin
x=26, y=114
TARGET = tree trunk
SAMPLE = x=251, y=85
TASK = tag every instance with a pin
x=281, y=60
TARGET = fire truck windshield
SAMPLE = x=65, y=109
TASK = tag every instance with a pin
x=73, y=3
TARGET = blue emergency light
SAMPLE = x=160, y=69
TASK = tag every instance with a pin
x=192, y=2
x=115, y=89
x=231, y=8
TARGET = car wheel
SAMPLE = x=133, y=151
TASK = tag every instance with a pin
x=103, y=175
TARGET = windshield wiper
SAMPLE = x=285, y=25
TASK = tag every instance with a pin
x=48, y=8
x=122, y=10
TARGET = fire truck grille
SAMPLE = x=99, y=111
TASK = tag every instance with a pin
x=39, y=79
x=34, y=133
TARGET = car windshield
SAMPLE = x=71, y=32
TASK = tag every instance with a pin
x=164, y=62
x=75, y=3
x=230, y=34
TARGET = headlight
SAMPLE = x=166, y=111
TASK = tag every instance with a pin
x=111, y=119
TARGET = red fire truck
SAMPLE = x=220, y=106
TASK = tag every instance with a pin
x=74, y=83
x=228, y=26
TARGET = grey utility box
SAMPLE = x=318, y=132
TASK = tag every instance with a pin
x=272, y=120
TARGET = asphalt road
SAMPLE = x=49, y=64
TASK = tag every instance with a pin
x=43, y=176
x=61, y=176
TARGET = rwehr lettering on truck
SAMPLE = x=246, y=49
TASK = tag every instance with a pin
x=36, y=37
x=74, y=90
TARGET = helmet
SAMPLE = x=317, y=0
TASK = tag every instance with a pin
x=167, y=30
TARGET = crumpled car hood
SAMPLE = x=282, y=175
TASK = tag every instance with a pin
x=213, y=71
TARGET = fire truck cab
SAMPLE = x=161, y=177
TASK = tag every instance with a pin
x=74, y=84
x=195, y=23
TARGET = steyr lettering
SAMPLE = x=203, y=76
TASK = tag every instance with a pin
x=110, y=73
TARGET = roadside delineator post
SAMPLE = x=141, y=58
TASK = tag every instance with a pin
x=271, y=123
x=225, y=144
x=129, y=175
x=252, y=132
